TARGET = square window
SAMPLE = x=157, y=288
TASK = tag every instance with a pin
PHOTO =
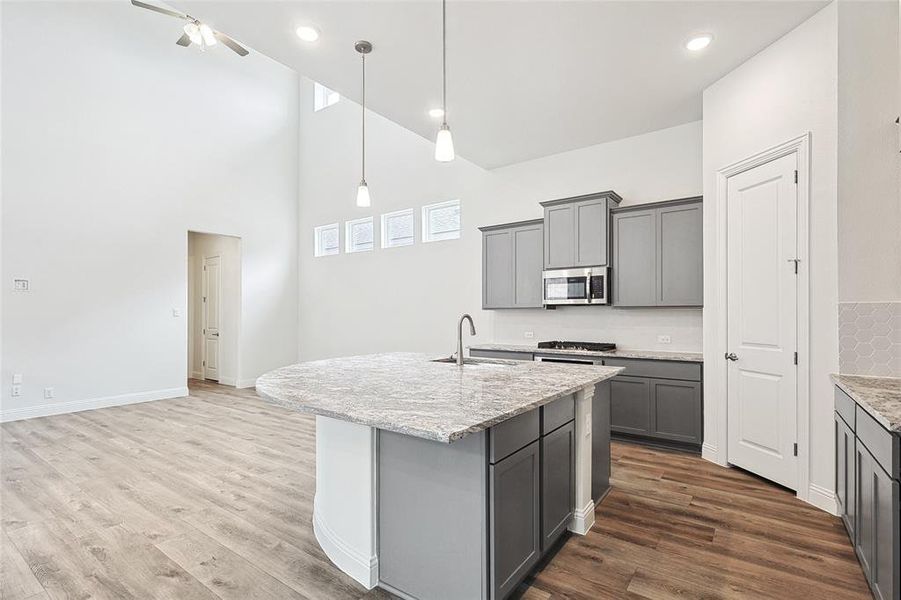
x=323, y=97
x=397, y=228
x=441, y=221
x=325, y=240
x=358, y=235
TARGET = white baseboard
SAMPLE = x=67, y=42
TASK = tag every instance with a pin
x=583, y=519
x=61, y=408
x=364, y=569
x=246, y=383
x=228, y=381
x=197, y=375
x=822, y=498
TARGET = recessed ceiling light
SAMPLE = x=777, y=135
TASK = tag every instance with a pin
x=436, y=113
x=308, y=33
x=699, y=42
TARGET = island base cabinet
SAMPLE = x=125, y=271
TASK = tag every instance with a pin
x=514, y=519
x=558, y=480
x=877, y=531
x=600, y=441
x=844, y=474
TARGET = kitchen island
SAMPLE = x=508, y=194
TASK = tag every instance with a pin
x=435, y=480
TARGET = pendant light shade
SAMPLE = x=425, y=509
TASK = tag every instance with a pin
x=444, y=145
x=363, y=198
x=444, y=142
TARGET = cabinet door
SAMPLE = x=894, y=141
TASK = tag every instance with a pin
x=497, y=269
x=877, y=532
x=515, y=544
x=680, y=266
x=558, y=480
x=559, y=237
x=591, y=232
x=528, y=252
x=634, y=258
x=676, y=410
x=630, y=405
x=600, y=441
x=844, y=474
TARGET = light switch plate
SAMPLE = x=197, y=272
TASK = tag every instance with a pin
x=49, y=392
x=176, y=312
x=529, y=335
x=17, y=378
x=20, y=285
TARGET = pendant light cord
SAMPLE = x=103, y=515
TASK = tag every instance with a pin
x=444, y=58
x=363, y=115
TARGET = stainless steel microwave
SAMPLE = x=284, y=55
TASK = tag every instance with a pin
x=576, y=286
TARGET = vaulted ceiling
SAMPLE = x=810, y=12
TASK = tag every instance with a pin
x=525, y=78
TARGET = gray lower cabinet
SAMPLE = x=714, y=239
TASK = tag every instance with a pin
x=630, y=405
x=514, y=518
x=676, y=410
x=658, y=254
x=512, y=257
x=600, y=441
x=867, y=468
x=558, y=480
x=576, y=230
x=878, y=523
x=845, y=496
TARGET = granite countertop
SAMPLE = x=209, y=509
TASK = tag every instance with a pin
x=645, y=354
x=879, y=396
x=408, y=393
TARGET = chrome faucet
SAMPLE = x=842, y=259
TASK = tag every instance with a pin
x=472, y=331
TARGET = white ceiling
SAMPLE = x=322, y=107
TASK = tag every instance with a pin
x=525, y=78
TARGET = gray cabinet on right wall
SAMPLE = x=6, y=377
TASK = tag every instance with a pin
x=657, y=254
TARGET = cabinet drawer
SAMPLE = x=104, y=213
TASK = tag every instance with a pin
x=557, y=413
x=502, y=354
x=881, y=443
x=657, y=369
x=513, y=434
x=845, y=407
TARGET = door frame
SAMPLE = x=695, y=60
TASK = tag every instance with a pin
x=800, y=146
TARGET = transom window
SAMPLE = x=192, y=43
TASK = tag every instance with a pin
x=397, y=228
x=358, y=235
x=441, y=221
x=323, y=97
x=325, y=240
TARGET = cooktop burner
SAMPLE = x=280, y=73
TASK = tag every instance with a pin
x=592, y=346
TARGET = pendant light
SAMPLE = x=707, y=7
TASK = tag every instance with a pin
x=363, y=199
x=444, y=143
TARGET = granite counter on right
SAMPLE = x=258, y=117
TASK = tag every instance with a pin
x=867, y=475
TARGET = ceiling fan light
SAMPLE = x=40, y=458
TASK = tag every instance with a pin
x=444, y=145
x=363, y=199
x=206, y=32
x=193, y=32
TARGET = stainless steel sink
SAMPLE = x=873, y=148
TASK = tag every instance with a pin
x=475, y=362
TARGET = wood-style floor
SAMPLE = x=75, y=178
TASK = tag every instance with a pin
x=211, y=496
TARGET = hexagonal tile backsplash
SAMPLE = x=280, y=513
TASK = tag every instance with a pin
x=869, y=338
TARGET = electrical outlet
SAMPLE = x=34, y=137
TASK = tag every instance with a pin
x=529, y=335
x=176, y=312
x=664, y=339
x=17, y=378
x=17, y=390
x=49, y=393
x=20, y=285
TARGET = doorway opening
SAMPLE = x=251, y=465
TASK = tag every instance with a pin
x=214, y=307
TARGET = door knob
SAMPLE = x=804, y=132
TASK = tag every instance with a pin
x=731, y=356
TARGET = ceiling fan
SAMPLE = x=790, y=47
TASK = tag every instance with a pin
x=196, y=32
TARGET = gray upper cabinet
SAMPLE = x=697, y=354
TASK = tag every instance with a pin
x=576, y=230
x=657, y=254
x=512, y=256
x=634, y=258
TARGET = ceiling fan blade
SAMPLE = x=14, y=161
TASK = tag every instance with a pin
x=184, y=40
x=159, y=9
x=241, y=50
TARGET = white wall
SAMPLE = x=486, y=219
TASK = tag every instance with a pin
x=410, y=298
x=785, y=90
x=228, y=249
x=116, y=142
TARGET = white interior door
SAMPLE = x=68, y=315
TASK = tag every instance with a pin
x=762, y=215
x=212, y=278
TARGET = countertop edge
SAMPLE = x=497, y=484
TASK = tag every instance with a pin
x=840, y=381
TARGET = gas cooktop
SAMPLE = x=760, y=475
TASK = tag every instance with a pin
x=591, y=346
